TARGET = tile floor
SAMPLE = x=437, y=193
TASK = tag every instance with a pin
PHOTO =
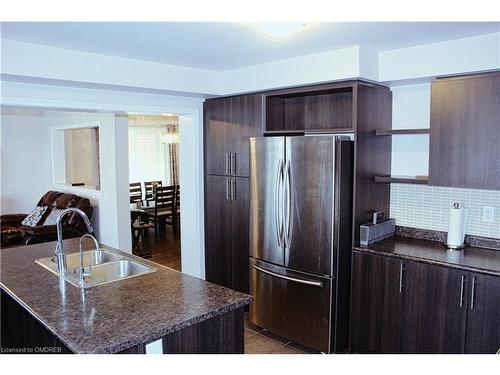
x=259, y=341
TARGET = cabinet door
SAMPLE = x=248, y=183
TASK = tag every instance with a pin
x=217, y=117
x=435, y=309
x=465, y=132
x=218, y=240
x=483, y=327
x=376, y=303
x=246, y=122
x=240, y=215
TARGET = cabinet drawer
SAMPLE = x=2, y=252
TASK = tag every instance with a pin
x=275, y=289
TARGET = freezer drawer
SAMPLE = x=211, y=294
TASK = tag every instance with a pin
x=291, y=304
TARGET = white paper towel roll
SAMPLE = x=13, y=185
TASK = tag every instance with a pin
x=457, y=226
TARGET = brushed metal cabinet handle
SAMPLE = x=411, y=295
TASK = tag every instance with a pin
x=233, y=189
x=227, y=189
x=226, y=163
x=462, y=287
x=318, y=284
x=233, y=162
x=473, y=293
x=401, y=273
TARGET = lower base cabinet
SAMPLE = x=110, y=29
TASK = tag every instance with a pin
x=483, y=315
x=402, y=306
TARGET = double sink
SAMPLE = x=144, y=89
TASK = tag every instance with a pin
x=106, y=266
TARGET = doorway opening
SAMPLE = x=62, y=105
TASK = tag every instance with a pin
x=154, y=188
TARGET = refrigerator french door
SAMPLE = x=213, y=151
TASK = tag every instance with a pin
x=300, y=232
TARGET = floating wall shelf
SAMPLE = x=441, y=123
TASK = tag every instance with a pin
x=402, y=131
x=402, y=180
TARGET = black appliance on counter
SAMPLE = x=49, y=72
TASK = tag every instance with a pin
x=300, y=238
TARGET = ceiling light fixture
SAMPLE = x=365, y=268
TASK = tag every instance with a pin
x=279, y=30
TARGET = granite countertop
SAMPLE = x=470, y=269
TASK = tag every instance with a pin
x=112, y=317
x=432, y=252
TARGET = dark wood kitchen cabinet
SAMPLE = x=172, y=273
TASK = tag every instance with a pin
x=218, y=238
x=483, y=314
x=376, y=303
x=229, y=123
x=435, y=310
x=314, y=108
x=403, y=306
x=226, y=231
x=216, y=118
x=465, y=132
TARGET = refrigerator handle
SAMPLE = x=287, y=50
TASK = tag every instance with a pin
x=278, y=214
x=318, y=284
x=287, y=205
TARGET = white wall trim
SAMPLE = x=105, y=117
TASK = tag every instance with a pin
x=24, y=62
x=44, y=62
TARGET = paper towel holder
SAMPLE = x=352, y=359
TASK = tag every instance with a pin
x=456, y=206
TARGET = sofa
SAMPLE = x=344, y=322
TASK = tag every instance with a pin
x=14, y=233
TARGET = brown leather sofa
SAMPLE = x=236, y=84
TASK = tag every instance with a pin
x=13, y=233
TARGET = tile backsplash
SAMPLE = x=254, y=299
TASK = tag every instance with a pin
x=427, y=207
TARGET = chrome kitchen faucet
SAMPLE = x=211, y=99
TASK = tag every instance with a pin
x=60, y=253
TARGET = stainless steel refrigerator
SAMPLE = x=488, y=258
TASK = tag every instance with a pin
x=300, y=238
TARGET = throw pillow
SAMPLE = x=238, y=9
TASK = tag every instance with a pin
x=51, y=219
x=34, y=216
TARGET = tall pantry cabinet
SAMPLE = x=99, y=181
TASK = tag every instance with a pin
x=229, y=122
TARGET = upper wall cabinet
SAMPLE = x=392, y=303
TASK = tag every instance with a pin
x=320, y=108
x=229, y=123
x=465, y=132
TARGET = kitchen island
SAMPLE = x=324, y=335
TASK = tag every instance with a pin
x=41, y=312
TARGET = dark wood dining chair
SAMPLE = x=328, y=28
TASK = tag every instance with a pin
x=135, y=189
x=163, y=211
x=149, y=188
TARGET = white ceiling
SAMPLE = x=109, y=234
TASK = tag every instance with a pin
x=224, y=46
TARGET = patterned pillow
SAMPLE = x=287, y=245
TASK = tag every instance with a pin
x=34, y=217
x=52, y=218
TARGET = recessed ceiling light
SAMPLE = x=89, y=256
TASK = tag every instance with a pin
x=279, y=30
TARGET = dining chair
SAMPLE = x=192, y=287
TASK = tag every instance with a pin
x=163, y=211
x=149, y=188
x=135, y=192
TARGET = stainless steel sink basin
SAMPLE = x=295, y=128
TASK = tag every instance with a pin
x=89, y=257
x=107, y=267
x=113, y=271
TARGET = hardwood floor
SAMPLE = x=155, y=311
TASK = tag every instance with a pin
x=166, y=248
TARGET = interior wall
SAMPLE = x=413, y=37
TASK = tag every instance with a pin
x=25, y=166
x=113, y=133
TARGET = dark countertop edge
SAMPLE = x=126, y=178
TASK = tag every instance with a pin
x=143, y=339
x=427, y=260
x=33, y=314
x=158, y=334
